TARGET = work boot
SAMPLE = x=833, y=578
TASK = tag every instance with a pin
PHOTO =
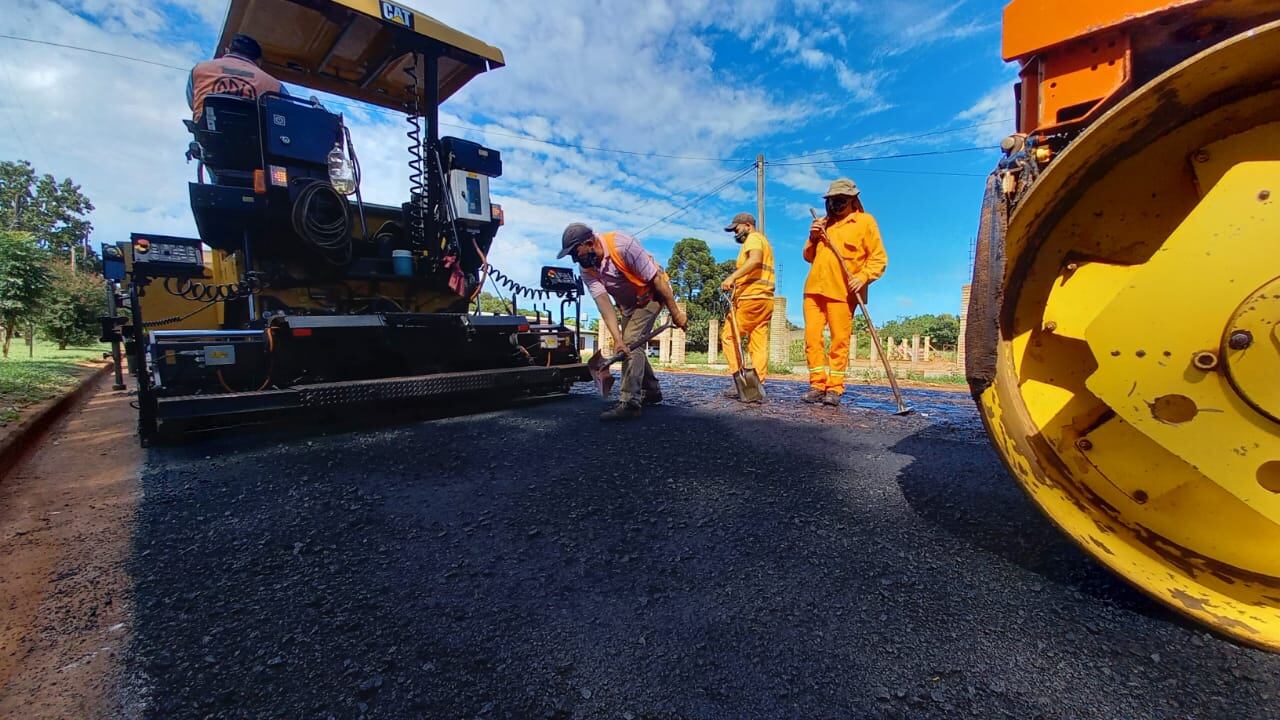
x=622, y=411
x=813, y=396
x=831, y=398
x=653, y=398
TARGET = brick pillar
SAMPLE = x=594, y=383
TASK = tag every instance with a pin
x=890, y=349
x=853, y=349
x=604, y=340
x=875, y=356
x=915, y=349
x=713, y=340
x=964, y=323
x=678, y=339
x=779, y=336
x=928, y=348
x=664, y=346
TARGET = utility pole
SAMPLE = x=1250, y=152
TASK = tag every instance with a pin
x=73, y=259
x=760, y=192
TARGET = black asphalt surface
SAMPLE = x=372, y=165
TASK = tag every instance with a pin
x=711, y=560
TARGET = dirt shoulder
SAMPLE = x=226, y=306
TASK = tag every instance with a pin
x=66, y=526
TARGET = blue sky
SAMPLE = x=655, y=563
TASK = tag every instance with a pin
x=702, y=78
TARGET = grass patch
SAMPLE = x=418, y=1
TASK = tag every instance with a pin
x=28, y=380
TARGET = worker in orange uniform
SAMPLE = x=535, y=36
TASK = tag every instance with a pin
x=751, y=284
x=616, y=268
x=827, y=291
x=238, y=72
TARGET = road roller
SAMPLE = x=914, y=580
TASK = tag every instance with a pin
x=1123, y=342
x=300, y=297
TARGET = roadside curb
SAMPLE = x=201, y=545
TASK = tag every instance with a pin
x=32, y=428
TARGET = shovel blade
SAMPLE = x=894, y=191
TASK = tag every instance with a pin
x=598, y=366
x=749, y=387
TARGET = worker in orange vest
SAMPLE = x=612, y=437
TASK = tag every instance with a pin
x=238, y=72
x=751, y=285
x=827, y=290
x=617, y=268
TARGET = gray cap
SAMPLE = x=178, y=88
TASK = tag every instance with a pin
x=741, y=219
x=573, y=236
x=842, y=186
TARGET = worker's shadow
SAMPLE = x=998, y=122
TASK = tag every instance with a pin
x=975, y=500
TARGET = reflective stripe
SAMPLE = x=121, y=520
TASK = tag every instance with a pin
x=818, y=369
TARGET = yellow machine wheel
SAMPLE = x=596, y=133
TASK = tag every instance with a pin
x=1137, y=384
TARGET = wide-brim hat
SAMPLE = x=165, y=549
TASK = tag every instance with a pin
x=843, y=186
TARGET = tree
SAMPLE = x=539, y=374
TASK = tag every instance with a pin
x=944, y=329
x=55, y=211
x=695, y=280
x=24, y=281
x=72, y=306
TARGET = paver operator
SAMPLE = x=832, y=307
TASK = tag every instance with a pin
x=239, y=72
x=618, y=269
x=827, y=291
x=751, y=286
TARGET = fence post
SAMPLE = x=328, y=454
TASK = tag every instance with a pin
x=713, y=340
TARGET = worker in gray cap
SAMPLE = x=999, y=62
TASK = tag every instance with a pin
x=616, y=268
x=827, y=290
x=751, y=287
x=238, y=72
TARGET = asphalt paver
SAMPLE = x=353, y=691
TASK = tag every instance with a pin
x=709, y=560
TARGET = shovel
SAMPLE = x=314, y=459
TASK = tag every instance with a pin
x=746, y=380
x=598, y=365
x=871, y=326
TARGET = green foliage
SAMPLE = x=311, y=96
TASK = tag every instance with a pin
x=49, y=372
x=72, y=307
x=491, y=303
x=944, y=329
x=55, y=211
x=24, y=281
x=777, y=368
x=796, y=352
x=695, y=279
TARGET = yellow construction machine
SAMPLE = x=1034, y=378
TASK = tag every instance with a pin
x=299, y=295
x=1124, y=328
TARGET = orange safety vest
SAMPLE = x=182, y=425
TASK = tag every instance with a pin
x=644, y=290
x=228, y=75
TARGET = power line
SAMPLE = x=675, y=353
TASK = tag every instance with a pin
x=95, y=52
x=695, y=201
x=680, y=193
x=901, y=138
x=556, y=143
x=930, y=153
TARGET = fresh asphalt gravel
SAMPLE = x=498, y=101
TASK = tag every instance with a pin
x=710, y=560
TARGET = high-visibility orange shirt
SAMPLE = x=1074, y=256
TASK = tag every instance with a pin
x=759, y=282
x=227, y=75
x=858, y=238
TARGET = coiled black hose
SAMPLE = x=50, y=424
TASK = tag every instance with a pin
x=516, y=289
x=321, y=217
x=417, y=184
x=206, y=293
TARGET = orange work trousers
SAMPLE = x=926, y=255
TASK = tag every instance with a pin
x=753, y=317
x=827, y=368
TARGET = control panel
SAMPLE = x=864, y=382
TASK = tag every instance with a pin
x=164, y=256
x=560, y=280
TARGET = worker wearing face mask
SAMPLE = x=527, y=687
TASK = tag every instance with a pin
x=617, y=269
x=751, y=286
x=827, y=292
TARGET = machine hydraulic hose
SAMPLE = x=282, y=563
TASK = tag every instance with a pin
x=321, y=217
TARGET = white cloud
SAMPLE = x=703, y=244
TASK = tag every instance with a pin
x=994, y=112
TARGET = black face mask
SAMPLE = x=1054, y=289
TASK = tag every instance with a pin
x=590, y=260
x=839, y=208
